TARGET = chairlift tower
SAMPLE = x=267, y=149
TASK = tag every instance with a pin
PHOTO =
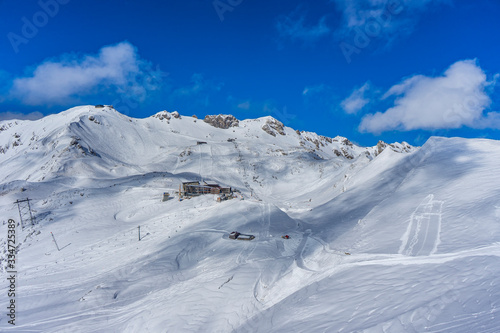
x=25, y=212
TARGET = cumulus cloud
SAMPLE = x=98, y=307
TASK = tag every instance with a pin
x=357, y=100
x=455, y=99
x=116, y=68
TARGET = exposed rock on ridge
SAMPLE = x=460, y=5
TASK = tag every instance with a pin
x=223, y=121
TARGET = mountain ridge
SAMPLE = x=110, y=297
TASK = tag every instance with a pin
x=74, y=130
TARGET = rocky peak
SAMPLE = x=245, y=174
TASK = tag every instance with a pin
x=273, y=126
x=163, y=115
x=223, y=121
x=381, y=145
x=397, y=147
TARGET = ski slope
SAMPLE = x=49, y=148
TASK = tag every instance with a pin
x=382, y=239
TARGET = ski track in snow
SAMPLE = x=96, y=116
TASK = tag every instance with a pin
x=299, y=259
x=422, y=236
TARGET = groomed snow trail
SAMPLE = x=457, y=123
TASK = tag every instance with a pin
x=422, y=236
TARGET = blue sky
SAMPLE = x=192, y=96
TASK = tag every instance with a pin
x=396, y=70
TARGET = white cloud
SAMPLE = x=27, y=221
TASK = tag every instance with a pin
x=116, y=68
x=294, y=27
x=357, y=100
x=455, y=99
x=8, y=115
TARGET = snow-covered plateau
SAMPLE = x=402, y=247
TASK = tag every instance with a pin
x=390, y=238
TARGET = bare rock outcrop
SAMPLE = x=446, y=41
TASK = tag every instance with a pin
x=163, y=115
x=223, y=121
x=273, y=126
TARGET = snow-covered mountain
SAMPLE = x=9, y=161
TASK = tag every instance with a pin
x=389, y=238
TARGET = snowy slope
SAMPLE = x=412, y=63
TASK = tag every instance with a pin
x=383, y=239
